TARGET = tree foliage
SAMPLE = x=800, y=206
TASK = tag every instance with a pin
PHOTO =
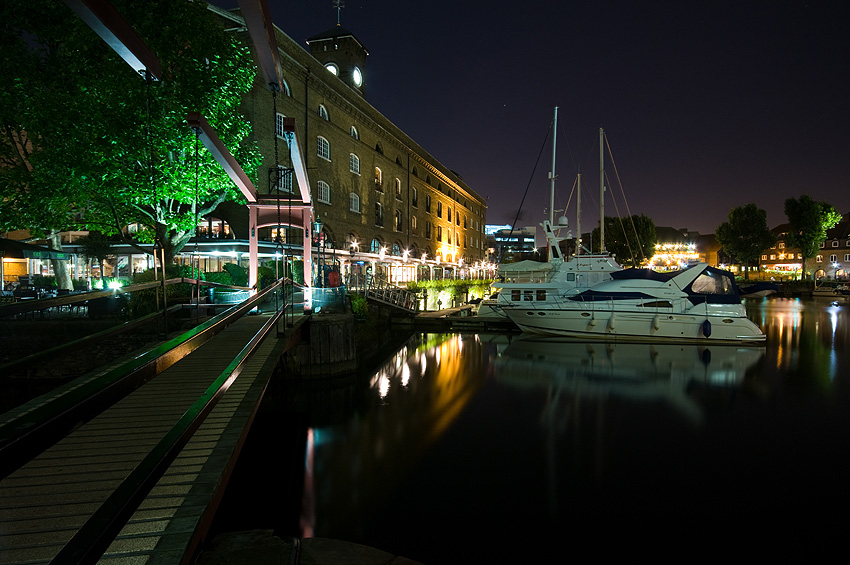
x=88, y=144
x=809, y=220
x=631, y=240
x=745, y=235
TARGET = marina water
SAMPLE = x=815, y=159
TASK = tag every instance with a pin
x=508, y=448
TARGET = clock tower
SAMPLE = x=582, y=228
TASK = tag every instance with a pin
x=341, y=54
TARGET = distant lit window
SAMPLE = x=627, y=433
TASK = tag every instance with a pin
x=835, y=243
x=354, y=203
x=833, y=258
x=819, y=258
x=414, y=197
x=413, y=224
x=397, y=189
x=333, y=68
x=781, y=245
x=354, y=163
x=427, y=202
x=354, y=133
x=397, y=220
x=427, y=230
x=379, y=214
x=323, y=112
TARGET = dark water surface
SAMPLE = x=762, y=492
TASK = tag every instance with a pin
x=510, y=449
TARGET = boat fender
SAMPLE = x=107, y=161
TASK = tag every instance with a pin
x=656, y=322
x=706, y=328
x=611, y=323
x=592, y=321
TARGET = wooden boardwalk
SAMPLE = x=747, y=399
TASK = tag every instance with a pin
x=43, y=503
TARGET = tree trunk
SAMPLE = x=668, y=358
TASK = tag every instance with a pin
x=60, y=267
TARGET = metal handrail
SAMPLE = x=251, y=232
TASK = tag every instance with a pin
x=24, y=437
x=95, y=536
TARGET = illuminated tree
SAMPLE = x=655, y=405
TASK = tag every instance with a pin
x=809, y=221
x=746, y=235
x=631, y=240
x=81, y=150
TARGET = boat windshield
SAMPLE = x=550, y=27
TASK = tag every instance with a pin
x=713, y=281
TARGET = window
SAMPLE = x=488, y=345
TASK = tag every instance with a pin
x=449, y=215
x=284, y=179
x=457, y=218
x=379, y=185
x=354, y=163
x=354, y=202
x=323, y=192
x=375, y=246
x=286, y=89
x=515, y=295
x=835, y=243
x=413, y=224
x=427, y=230
x=427, y=202
x=379, y=214
x=819, y=258
x=833, y=258
x=278, y=125
x=414, y=197
x=439, y=209
x=354, y=133
x=772, y=257
x=822, y=244
x=324, y=149
x=332, y=68
x=323, y=112
x=397, y=220
x=764, y=257
x=396, y=249
x=397, y=189
x=541, y=296
x=847, y=257
x=781, y=245
x=449, y=237
x=464, y=221
x=439, y=233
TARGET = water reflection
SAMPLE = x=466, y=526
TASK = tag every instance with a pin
x=476, y=440
x=638, y=372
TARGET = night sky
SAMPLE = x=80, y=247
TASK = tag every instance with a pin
x=706, y=105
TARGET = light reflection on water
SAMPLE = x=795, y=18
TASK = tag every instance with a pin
x=469, y=441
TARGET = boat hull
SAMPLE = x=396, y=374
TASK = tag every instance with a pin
x=638, y=326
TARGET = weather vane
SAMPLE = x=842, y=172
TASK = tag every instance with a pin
x=339, y=5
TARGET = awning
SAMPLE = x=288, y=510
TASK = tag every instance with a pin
x=20, y=250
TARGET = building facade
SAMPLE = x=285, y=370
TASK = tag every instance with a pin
x=380, y=198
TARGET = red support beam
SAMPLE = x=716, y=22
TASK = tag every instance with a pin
x=111, y=26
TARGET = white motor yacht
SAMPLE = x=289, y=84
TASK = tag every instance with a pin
x=697, y=304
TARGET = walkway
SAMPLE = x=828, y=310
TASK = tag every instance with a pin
x=45, y=502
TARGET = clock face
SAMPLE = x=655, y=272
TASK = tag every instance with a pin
x=332, y=68
x=357, y=76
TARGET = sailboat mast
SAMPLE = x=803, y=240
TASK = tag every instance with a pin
x=601, y=194
x=578, y=216
x=552, y=174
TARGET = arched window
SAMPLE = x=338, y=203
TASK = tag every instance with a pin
x=354, y=133
x=415, y=172
x=375, y=246
x=449, y=215
x=354, y=163
x=427, y=230
x=414, y=197
x=427, y=202
x=323, y=112
x=354, y=202
x=324, y=148
x=379, y=183
x=379, y=214
x=439, y=209
x=439, y=233
x=286, y=90
x=396, y=248
x=397, y=220
x=323, y=192
x=413, y=224
x=379, y=149
x=397, y=189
